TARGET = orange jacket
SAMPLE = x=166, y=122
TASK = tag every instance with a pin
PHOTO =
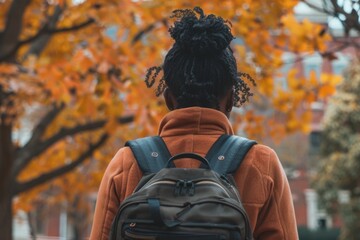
x=261, y=180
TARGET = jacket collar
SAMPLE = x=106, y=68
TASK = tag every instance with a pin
x=195, y=120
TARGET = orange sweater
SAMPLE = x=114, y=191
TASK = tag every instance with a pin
x=261, y=180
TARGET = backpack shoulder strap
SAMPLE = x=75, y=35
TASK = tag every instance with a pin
x=150, y=153
x=227, y=153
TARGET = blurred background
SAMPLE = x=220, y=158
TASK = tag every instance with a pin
x=72, y=92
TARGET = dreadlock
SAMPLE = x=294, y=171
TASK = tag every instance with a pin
x=200, y=68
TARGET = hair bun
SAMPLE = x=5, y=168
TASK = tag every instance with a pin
x=200, y=36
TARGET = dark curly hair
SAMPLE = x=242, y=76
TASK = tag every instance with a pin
x=200, y=68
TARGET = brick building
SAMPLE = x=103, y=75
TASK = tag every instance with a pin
x=308, y=210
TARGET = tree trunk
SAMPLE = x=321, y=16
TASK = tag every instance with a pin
x=6, y=213
x=6, y=180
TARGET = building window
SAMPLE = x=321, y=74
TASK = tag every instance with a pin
x=315, y=140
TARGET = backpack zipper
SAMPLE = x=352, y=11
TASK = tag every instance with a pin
x=169, y=182
x=201, y=182
x=235, y=191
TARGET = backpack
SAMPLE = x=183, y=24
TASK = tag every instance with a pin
x=172, y=203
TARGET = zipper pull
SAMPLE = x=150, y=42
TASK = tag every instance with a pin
x=191, y=187
x=183, y=189
x=187, y=207
x=178, y=187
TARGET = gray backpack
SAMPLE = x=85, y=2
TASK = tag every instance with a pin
x=172, y=203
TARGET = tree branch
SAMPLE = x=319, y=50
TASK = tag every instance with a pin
x=350, y=20
x=337, y=8
x=46, y=30
x=72, y=28
x=140, y=34
x=10, y=35
x=35, y=139
x=313, y=6
x=43, y=124
x=64, y=132
x=38, y=147
x=323, y=54
x=41, y=38
x=25, y=186
x=147, y=29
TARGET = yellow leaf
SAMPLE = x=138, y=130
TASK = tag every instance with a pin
x=326, y=90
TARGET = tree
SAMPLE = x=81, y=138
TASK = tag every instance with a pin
x=340, y=152
x=346, y=12
x=39, y=79
x=71, y=71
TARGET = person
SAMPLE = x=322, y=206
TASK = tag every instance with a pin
x=201, y=84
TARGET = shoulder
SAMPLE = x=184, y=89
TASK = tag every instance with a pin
x=266, y=163
x=122, y=160
x=122, y=164
x=260, y=170
x=262, y=163
x=263, y=158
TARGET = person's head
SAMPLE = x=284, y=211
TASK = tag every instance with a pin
x=200, y=68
